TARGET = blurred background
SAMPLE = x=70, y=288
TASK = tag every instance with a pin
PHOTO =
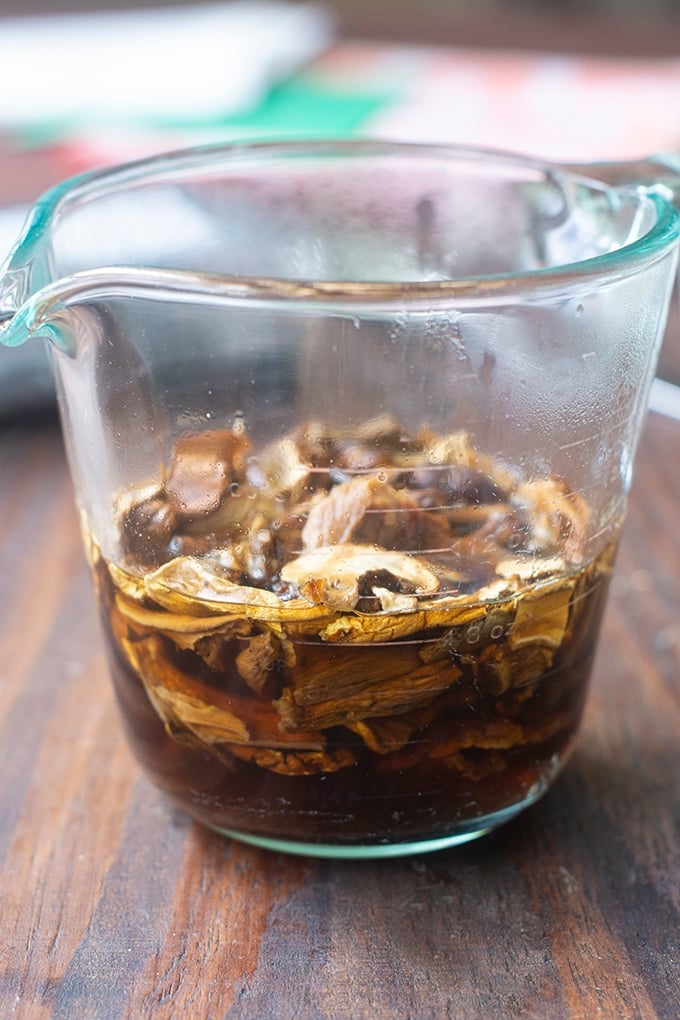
x=88, y=83
x=630, y=26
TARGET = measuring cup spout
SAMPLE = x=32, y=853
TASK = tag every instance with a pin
x=36, y=317
x=22, y=274
x=10, y=302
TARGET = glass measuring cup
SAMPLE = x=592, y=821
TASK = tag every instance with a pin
x=351, y=428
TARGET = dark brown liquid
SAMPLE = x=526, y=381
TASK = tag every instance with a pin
x=478, y=746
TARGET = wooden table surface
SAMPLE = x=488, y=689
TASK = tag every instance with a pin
x=115, y=905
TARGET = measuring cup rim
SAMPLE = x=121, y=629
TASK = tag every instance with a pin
x=620, y=262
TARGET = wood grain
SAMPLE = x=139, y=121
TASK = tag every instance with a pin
x=114, y=905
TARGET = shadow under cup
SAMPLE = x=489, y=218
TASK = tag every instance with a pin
x=351, y=427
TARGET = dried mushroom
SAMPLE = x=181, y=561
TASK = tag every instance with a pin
x=257, y=660
x=558, y=515
x=158, y=619
x=294, y=763
x=203, y=467
x=340, y=575
x=202, y=587
x=368, y=510
x=371, y=616
x=325, y=691
x=200, y=716
x=542, y=615
x=383, y=735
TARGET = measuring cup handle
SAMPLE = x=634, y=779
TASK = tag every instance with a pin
x=660, y=172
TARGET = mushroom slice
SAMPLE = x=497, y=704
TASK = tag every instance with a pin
x=366, y=510
x=558, y=517
x=281, y=471
x=531, y=568
x=204, y=716
x=200, y=587
x=257, y=660
x=542, y=614
x=294, y=763
x=339, y=575
x=131, y=585
x=391, y=733
x=330, y=690
x=202, y=468
x=171, y=623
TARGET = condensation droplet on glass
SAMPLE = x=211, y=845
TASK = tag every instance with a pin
x=234, y=489
x=356, y=323
x=382, y=476
x=497, y=631
x=239, y=423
